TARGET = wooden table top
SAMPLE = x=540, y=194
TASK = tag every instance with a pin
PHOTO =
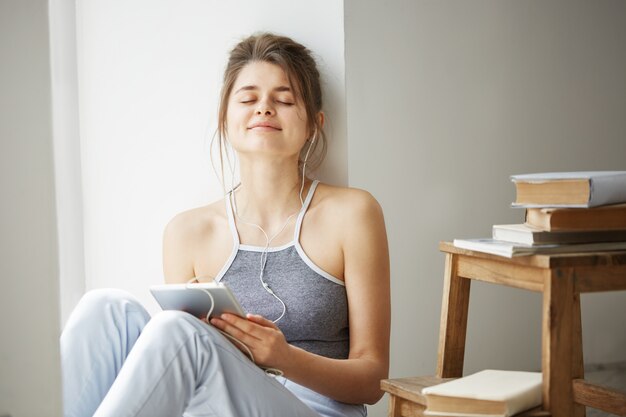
x=554, y=260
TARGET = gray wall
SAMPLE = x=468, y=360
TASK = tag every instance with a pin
x=445, y=100
x=29, y=307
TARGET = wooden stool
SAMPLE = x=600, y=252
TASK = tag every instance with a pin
x=561, y=278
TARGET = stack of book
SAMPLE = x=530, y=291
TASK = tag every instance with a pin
x=565, y=212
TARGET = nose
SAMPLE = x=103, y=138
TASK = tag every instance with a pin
x=264, y=108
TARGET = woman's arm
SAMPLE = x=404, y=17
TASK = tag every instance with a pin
x=178, y=244
x=366, y=271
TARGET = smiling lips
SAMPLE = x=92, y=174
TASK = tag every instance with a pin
x=264, y=127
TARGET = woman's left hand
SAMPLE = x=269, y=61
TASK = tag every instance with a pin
x=267, y=343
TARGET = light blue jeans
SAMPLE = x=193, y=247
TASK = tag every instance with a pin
x=118, y=362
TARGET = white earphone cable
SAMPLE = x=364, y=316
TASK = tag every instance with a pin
x=268, y=240
x=233, y=200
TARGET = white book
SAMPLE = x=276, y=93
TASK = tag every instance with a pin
x=510, y=249
x=486, y=393
x=530, y=235
x=570, y=189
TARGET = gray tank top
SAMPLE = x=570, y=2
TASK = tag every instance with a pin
x=316, y=318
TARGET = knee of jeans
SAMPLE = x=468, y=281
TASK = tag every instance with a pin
x=103, y=307
x=104, y=297
x=173, y=322
x=172, y=318
x=101, y=304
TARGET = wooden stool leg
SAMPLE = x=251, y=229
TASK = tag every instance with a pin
x=578, y=366
x=401, y=407
x=558, y=306
x=453, y=329
x=394, y=406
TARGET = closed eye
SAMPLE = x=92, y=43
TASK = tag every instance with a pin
x=252, y=100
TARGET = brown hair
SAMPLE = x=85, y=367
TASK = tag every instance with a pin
x=301, y=70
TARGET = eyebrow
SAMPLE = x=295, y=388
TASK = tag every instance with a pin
x=254, y=87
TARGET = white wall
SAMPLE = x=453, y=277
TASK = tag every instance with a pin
x=445, y=100
x=68, y=175
x=29, y=280
x=149, y=79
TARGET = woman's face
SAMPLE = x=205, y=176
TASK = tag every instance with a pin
x=264, y=115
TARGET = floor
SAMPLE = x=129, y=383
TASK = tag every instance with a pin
x=613, y=376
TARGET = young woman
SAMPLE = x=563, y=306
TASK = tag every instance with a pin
x=309, y=261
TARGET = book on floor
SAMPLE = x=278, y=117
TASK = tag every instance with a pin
x=598, y=218
x=510, y=249
x=522, y=233
x=570, y=189
x=485, y=393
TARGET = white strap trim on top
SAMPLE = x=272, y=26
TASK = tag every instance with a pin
x=237, y=245
x=231, y=217
x=316, y=268
x=233, y=229
x=296, y=239
x=252, y=248
x=305, y=206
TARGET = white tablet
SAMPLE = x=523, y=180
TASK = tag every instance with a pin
x=197, y=299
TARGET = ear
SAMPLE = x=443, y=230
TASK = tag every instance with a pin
x=321, y=118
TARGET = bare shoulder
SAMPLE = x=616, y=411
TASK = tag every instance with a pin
x=348, y=203
x=189, y=235
x=352, y=213
x=196, y=222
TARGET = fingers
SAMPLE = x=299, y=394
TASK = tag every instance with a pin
x=253, y=323
x=254, y=326
x=235, y=326
x=261, y=320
